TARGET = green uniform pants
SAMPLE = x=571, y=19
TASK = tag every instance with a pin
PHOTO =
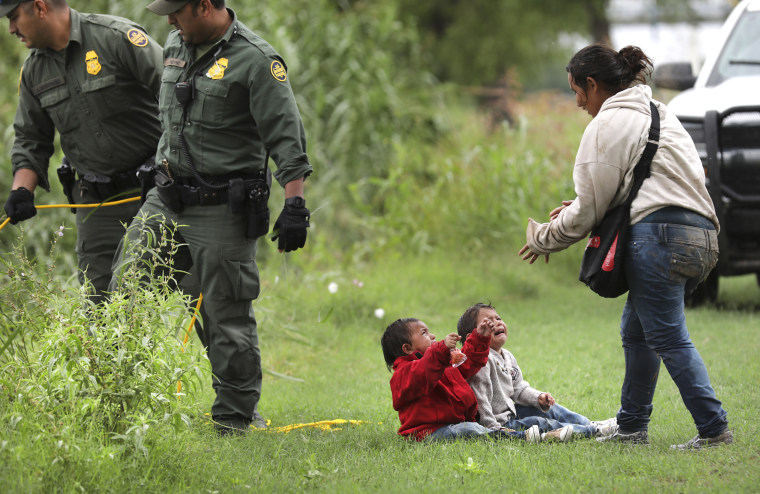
x=99, y=231
x=224, y=262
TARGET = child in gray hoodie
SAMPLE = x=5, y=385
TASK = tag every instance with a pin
x=506, y=400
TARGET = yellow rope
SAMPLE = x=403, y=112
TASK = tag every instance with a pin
x=325, y=425
x=93, y=205
x=52, y=206
x=187, y=336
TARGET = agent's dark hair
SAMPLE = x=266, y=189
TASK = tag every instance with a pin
x=613, y=70
x=469, y=320
x=396, y=335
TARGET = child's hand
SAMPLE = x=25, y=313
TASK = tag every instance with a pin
x=451, y=340
x=546, y=400
x=486, y=327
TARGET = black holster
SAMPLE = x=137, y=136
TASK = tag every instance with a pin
x=67, y=176
x=257, y=211
x=168, y=191
x=249, y=196
x=146, y=174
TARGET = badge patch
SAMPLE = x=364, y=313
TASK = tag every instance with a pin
x=137, y=37
x=278, y=71
x=217, y=70
x=91, y=59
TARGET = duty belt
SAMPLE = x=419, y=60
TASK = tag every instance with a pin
x=193, y=193
x=104, y=187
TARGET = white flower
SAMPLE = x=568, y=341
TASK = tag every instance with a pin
x=379, y=313
x=332, y=287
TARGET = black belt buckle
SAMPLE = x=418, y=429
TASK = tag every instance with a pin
x=208, y=197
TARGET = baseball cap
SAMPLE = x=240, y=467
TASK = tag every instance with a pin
x=163, y=7
x=7, y=5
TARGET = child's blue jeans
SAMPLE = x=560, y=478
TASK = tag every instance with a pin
x=556, y=418
x=471, y=430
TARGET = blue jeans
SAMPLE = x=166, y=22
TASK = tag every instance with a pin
x=665, y=260
x=471, y=430
x=556, y=418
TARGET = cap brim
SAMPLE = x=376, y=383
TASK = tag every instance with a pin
x=7, y=9
x=164, y=7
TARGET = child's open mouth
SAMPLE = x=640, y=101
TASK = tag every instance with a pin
x=501, y=331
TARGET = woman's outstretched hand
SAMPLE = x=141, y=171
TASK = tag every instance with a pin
x=530, y=256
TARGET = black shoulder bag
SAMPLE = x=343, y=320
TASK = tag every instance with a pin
x=602, y=266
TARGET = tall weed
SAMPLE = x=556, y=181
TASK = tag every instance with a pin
x=111, y=370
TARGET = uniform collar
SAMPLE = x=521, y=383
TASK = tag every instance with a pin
x=76, y=27
x=231, y=30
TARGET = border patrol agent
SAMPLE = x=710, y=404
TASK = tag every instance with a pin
x=94, y=78
x=226, y=106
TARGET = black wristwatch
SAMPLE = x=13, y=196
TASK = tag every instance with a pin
x=296, y=201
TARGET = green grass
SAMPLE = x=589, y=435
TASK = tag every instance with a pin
x=440, y=233
x=327, y=344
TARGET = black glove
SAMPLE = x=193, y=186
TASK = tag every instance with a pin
x=290, y=227
x=20, y=205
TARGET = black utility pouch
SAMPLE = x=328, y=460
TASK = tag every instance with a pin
x=169, y=193
x=105, y=187
x=258, y=210
x=236, y=199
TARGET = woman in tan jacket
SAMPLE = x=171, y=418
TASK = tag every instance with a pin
x=673, y=243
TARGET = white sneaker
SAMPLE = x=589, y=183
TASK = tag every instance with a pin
x=562, y=435
x=605, y=427
x=533, y=434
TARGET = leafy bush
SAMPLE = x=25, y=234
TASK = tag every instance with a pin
x=110, y=369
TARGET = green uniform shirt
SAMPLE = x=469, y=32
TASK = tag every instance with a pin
x=99, y=92
x=242, y=105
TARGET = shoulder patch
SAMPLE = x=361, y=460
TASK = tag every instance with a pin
x=137, y=37
x=278, y=71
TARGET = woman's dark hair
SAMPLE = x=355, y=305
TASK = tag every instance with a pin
x=395, y=336
x=469, y=320
x=614, y=70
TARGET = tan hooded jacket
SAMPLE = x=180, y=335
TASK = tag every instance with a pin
x=610, y=149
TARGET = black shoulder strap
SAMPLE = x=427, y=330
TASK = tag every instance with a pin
x=641, y=171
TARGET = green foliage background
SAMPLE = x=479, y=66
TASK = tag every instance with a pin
x=418, y=209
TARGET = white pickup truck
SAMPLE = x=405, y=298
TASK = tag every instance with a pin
x=720, y=108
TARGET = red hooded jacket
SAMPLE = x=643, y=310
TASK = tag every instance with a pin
x=429, y=393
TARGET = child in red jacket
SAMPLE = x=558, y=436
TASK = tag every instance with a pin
x=431, y=396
